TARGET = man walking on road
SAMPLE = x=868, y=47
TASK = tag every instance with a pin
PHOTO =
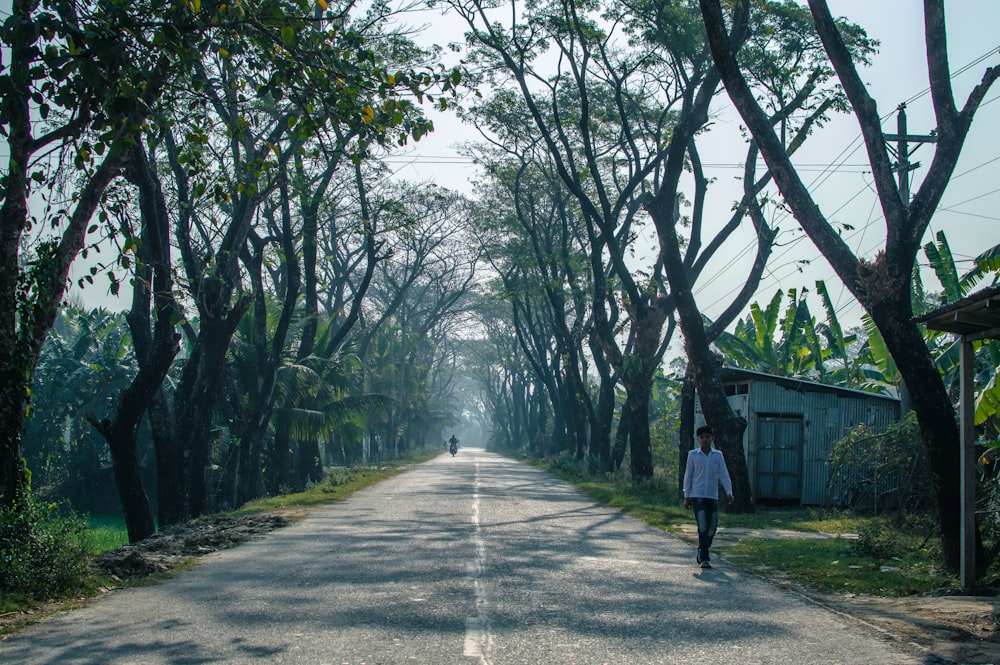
x=705, y=471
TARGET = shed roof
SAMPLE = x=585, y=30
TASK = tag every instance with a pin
x=736, y=374
x=976, y=316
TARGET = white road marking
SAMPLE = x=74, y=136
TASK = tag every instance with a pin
x=477, y=628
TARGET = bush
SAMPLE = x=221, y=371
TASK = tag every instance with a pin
x=878, y=539
x=43, y=554
x=568, y=464
x=988, y=508
x=883, y=473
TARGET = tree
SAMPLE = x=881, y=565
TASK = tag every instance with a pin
x=792, y=80
x=155, y=344
x=534, y=237
x=249, y=85
x=590, y=108
x=518, y=413
x=82, y=78
x=619, y=127
x=336, y=85
x=418, y=300
x=882, y=285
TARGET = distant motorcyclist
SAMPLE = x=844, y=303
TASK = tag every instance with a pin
x=453, y=445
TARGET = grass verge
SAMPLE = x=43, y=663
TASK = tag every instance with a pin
x=834, y=565
x=105, y=532
x=339, y=484
x=872, y=556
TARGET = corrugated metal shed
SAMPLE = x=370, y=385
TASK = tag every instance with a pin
x=792, y=425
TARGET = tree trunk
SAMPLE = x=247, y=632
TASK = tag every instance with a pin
x=557, y=443
x=279, y=463
x=267, y=352
x=13, y=472
x=637, y=372
x=171, y=488
x=310, y=466
x=640, y=452
x=936, y=416
x=14, y=215
x=120, y=436
x=686, y=429
x=195, y=401
x=621, y=436
x=600, y=436
x=155, y=348
x=517, y=419
x=538, y=439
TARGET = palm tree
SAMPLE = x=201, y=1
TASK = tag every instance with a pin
x=87, y=361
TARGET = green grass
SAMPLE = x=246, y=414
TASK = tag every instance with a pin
x=105, y=532
x=834, y=566
x=339, y=484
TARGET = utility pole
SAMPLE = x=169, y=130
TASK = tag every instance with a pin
x=902, y=151
x=902, y=166
x=967, y=442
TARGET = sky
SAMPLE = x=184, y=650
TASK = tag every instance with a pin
x=833, y=161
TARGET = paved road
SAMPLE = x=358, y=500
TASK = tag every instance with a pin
x=466, y=560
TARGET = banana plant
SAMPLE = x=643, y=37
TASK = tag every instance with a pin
x=847, y=366
x=886, y=377
x=791, y=342
x=945, y=347
x=784, y=343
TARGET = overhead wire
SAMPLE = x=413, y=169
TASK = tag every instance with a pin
x=849, y=150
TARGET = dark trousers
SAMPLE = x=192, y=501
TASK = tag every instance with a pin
x=706, y=516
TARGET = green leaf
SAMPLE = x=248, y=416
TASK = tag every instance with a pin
x=288, y=36
x=989, y=260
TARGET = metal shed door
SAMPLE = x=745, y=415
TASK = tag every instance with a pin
x=779, y=457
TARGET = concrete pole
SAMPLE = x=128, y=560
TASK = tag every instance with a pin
x=903, y=155
x=967, y=417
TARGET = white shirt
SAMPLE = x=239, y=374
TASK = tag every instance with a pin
x=703, y=474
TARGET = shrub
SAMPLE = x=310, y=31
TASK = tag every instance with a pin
x=878, y=539
x=988, y=503
x=567, y=463
x=43, y=553
x=885, y=472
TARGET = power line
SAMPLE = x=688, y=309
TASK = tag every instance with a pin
x=445, y=159
x=975, y=168
x=962, y=70
x=852, y=147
